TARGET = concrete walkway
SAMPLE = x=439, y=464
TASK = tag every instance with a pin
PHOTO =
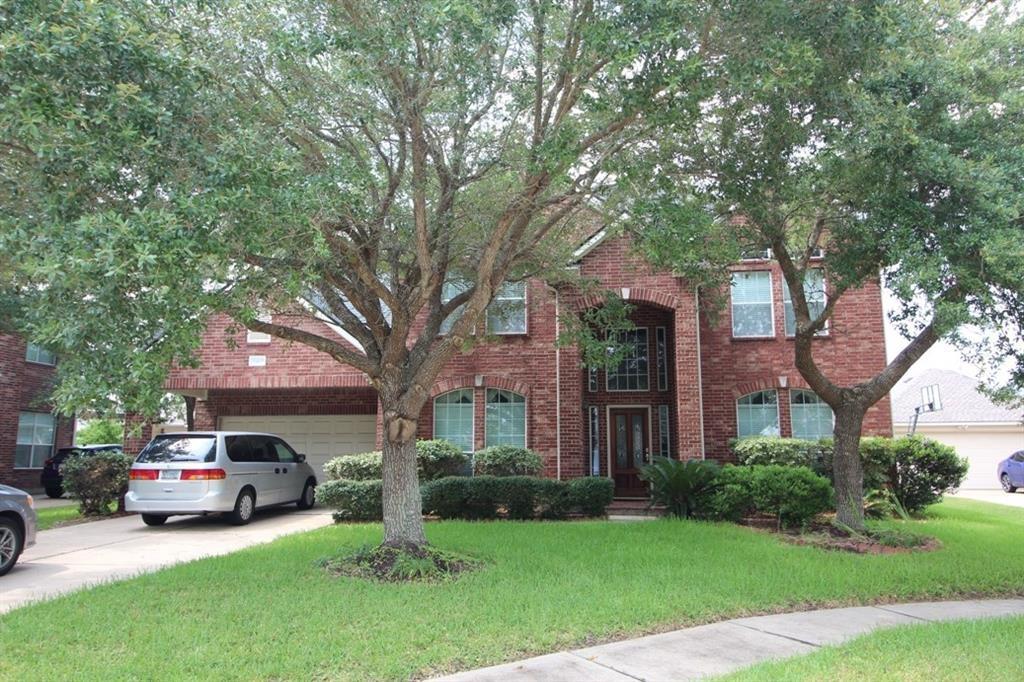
x=727, y=646
x=994, y=496
x=72, y=557
x=44, y=502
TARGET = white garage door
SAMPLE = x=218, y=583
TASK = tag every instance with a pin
x=319, y=437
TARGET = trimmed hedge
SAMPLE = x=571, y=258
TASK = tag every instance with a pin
x=352, y=500
x=793, y=495
x=434, y=459
x=922, y=470
x=522, y=497
x=506, y=460
x=96, y=480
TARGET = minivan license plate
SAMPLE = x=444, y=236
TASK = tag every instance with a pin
x=170, y=475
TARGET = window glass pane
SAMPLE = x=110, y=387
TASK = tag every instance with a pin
x=592, y=380
x=663, y=434
x=662, y=355
x=23, y=456
x=621, y=436
x=811, y=416
x=631, y=373
x=595, y=444
x=35, y=439
x=453, y=418
x=506, y=419
x=757, y=414
x=283, y=451
x=814, y=292
x=449, y=291
x=172, y=448
x=638, y=441
x=507, y=312
x=34, y=353
x=752, y=304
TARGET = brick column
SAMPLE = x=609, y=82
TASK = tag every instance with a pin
x=687, y=359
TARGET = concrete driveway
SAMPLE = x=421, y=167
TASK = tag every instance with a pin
x=72, y=557
x=994, y=496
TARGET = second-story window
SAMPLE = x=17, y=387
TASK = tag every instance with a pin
x=814, y=292
x=449, y=291
x=752, y=312
x=39, y=355
x=507, y=312
x=631, y=373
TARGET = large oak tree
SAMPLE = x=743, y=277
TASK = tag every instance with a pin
x=321, y=160
x=887, y=134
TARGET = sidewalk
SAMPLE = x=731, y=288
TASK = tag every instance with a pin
x=727, y=646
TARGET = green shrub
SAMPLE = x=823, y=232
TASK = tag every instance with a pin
x=519, y=495
x=922, y=470
x=439, y=458
x=364, y=466
x=784, y=451
x=681, y=486
x=553, y=500
x=876, y=459
x=506, y=460
x=96, y=480
x=352, y=500
x=434, y=459
x=730, y=500
x=793, y=495
x=591, y=495
x=445, y=497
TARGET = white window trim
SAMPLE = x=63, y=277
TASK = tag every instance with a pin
x=526, y=413
x=254, y=338
x=53, y=443
x=824, y=331
x=526, y=311
x=771, y=300
x=472, y=430
x=29, y=346
x=607, y=370
x=778, y=416
x=765, y=255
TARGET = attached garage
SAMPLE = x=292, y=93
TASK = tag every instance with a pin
x=319, y=437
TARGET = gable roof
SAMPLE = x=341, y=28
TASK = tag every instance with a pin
x=962, y=403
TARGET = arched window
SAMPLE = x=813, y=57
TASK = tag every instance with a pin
x=453, y=418
x=506, y=418
x=757, y=414
x=811, y=416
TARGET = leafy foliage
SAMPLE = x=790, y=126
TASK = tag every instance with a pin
x=363, y=466
x=434, y=459
x=522, y=497
x=100, y=431
x=506, y=460
x=681, y=486
x=96, y=480
x=352, y=500
x=922, y=470
x=793, y=495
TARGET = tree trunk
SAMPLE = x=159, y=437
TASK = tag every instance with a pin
x=846, y=467
x=403, y=507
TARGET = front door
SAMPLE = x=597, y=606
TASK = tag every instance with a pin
x=630, y=448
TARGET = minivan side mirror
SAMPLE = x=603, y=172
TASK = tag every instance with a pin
x=300, y=458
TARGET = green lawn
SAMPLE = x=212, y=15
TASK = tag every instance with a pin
x=51, y=516
x=269, y=613
x=982, y=650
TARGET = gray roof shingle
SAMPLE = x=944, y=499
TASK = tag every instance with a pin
x=961, y=400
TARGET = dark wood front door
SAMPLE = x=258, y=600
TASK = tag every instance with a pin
x=630, y=450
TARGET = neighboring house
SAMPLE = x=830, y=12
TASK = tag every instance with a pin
x=29, y=432
x=980, y=430
x=689, y=385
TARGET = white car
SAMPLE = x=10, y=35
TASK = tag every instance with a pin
x=229, y=472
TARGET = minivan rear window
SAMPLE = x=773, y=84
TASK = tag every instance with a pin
x=173, y=448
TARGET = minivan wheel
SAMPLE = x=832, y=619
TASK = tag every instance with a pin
x=1007, y=486
x=11, y=542
x=55, y=492
x=245, y=506
x=308, y=496
x=154, y=519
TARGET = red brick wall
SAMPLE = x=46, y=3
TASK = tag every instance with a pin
x=853, y=351
x=24, y=387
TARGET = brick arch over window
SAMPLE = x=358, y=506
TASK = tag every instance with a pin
x=659, y=299
x=767, y=383
x=469, y=381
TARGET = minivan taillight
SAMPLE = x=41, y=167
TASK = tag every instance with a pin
x=203, y=475
x=143, y=474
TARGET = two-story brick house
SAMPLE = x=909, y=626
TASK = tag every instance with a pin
x=688, y=385
x=29, y=432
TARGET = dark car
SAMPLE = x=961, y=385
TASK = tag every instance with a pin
x=1011, y=472
x=51, y=479
x=17, y=525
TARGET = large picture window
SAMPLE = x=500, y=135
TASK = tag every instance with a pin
x=449, y=291
x=757, y=414
x=814, y=292
x=36, y=432
x=453, y=418
x=40, y=355
x=507, y=312
x=631, y=372
x=506, y=418
x=752, y=311
x=811, y=416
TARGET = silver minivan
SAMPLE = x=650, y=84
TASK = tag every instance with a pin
x=229, y=472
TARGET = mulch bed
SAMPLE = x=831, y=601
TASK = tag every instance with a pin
x=827, y=536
